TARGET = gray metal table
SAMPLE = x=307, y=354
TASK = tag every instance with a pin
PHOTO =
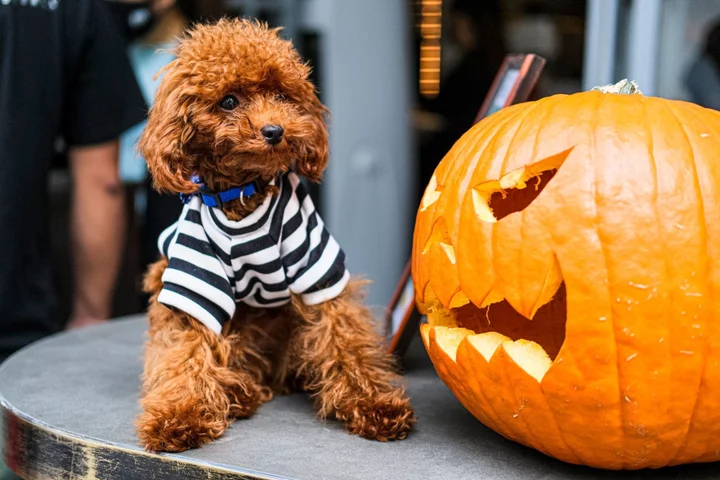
x=69, y=401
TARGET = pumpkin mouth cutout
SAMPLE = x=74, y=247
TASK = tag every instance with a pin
x=532, y=344
x=547, y=328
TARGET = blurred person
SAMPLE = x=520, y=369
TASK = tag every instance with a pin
x=151, y=48
x=476, y=29
x=703, y=77
x=63, y=73
x=535, y=31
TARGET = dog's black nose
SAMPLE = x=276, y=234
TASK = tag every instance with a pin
x=273, y=133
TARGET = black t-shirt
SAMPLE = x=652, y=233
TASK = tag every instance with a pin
x=63, y=73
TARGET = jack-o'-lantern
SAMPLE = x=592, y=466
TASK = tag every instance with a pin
x=567, y=256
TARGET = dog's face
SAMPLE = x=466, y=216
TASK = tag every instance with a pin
x=235, y=105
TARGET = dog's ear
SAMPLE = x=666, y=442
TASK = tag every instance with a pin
x=312, y=162
x=164, y=141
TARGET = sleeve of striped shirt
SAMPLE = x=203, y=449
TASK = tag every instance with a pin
x=195, y=280
x=313, y=260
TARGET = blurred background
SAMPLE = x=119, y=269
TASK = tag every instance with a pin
x=404, y=79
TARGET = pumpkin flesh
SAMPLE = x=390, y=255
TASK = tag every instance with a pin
x=581, y=321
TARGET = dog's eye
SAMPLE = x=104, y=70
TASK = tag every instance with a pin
x=282, y=97
x=229, y=102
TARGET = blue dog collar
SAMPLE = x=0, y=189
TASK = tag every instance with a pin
x=216, y=199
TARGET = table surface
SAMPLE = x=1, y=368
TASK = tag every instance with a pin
x=69, y=401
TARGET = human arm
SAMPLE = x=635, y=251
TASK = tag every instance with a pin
x=103, y=101
x=97, y=231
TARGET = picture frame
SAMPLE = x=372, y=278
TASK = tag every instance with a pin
x=403, y=317
x=514, y=83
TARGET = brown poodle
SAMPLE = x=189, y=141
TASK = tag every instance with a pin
x=251, y=296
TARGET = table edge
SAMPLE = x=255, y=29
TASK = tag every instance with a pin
x=36, y=450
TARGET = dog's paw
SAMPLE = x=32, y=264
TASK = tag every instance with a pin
x=388, y=419
x=178, y=429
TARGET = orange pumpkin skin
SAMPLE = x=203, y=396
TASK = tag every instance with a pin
x=618, y=258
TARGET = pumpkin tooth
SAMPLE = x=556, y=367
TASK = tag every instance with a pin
x=439, y=234
x=459, y=300
x=526, y=354
x=495, y=296
x=449, y=251
x=432, y=193
x=529, y=356
x=425, y=334
x=448, y=339
x=487, y=343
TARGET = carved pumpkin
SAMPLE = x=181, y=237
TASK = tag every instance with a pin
x=567, y=256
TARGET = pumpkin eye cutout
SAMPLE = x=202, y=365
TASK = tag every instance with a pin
x=516, y=190
x=229, y=103
x=517, y=199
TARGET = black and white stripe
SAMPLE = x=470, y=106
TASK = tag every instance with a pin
x=280, y=249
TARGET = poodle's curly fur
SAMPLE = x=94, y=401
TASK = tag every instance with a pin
x=196, y=382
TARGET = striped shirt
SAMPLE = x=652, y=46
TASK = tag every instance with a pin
x=281, y=248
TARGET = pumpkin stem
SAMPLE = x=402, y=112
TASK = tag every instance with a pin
x=623, y=87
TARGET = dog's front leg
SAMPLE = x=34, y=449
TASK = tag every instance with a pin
x=344, y=364
x=189, y=393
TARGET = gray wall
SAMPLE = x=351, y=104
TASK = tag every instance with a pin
x=367, y=192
